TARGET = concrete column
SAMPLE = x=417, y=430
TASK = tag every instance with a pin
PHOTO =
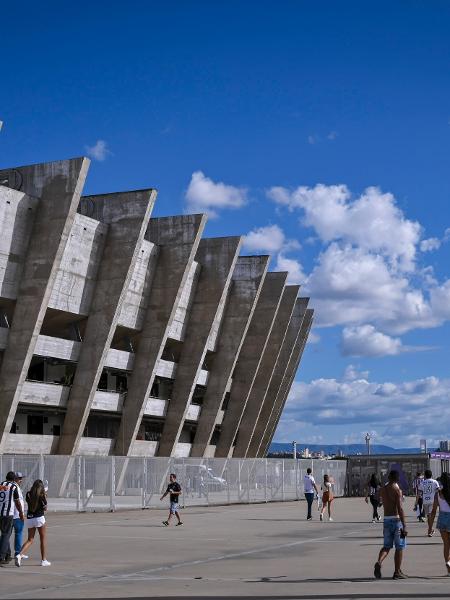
x=288, y=347
x=178, y=239
x=58, y=186
x=217, y=258
x=257, y=396
x=287, y=383
x=249, y=359
x=127, y=215
x=247, y=281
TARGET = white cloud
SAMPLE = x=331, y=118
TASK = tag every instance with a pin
x=372, y=221
x=430, y=244
x=312, y=139
x=293, y=267
x=204, y=195
x=352, y=373
x=398, y=414
x=332, y=135
x=365, y=340
x=99, y=151
x=265, y=239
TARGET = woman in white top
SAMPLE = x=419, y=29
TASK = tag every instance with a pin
x=442, y=500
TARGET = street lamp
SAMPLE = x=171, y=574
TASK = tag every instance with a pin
x=294, y=449
x=368, y=442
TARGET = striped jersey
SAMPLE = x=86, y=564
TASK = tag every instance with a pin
x=8, y=493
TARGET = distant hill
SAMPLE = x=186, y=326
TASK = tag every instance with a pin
x=346, y=449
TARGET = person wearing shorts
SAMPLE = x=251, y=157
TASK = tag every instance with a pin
x=174, y=491
x=394, y=527
x=429, y=487
x=37, y=505
x=442, y=501
x=310, y=489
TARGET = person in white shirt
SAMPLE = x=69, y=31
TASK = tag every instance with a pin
x=429, y=487
x=18, y=523
x=310, y=489
x=9, y=500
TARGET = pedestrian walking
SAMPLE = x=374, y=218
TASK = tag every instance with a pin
x=394, y=526
x=442, y=501
x=429, y=487
x=18, y=523
x=310, y=489
x=36, y=500
x=9, y=500
x=418, y=506
x=373, y=496
x=174, y=490
x=327, y=497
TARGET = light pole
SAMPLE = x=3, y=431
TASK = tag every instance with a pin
x=368, y=442
x=294, y=449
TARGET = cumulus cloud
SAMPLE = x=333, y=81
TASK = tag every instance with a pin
x=372, y=222
x=365, y=340
x=204, y=195
x=293, y=268
x=268, y=239
x=99, y=151
x=398, y=413
x=430, y=244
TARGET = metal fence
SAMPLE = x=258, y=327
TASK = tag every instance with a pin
x=96, y=483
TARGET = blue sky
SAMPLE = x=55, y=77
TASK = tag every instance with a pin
x=298, y=108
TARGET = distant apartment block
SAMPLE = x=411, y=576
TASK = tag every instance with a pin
x=123, y=334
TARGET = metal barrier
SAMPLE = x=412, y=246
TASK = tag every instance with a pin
x=97, y=483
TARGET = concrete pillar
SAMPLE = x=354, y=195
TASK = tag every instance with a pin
x=58, y=186
x=287, y=383
x=257, y=396
x=247, y=281
x=288, y=347
x=249, y=359
x=217, y=258
x=178, y=239
x=127, y=215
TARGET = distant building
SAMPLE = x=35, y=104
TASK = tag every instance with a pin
x=444, y=446
x=135, y=336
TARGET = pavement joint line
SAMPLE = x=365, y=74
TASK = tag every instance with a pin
x=126, y=576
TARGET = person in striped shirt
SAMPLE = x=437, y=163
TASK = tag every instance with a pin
x=9, y=500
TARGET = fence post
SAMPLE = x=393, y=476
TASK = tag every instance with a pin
x=41, y=467
x=265, y=480
x=78, y=472
x=144, y=480
x=296, y=479
x=282, y=479
x=248, y=482
x=207, y=482
x=112, y=492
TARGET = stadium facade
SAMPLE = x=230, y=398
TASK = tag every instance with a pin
x=122, y=334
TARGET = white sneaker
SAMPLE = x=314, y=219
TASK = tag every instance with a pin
x=330, y=519
x=45, y=563
x=18, y=560
x=24, y=556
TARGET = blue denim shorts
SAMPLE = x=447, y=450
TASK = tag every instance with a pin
x=174, y=507
x=443, y=522
x=391, y=533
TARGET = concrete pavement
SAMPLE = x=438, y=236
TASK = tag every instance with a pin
x=266, y=551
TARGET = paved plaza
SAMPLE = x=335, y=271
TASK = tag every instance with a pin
x=266, y=551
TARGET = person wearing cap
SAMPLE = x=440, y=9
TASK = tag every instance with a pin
x=9, y=501
x=18, y=523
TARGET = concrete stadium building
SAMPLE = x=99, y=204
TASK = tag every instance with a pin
x=122, y=334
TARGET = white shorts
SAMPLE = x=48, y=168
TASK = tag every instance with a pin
x=36, y=522
x=428, y=509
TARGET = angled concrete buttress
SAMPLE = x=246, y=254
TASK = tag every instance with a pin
x=247, y=281
x=127, y=215
x=287, y=383
x=249, y=359
x=257, y=396
x=217, y=258
x=58, y=186
x=178, y=239
x=292, y=334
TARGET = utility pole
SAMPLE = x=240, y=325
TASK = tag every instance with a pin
x=368, y=442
